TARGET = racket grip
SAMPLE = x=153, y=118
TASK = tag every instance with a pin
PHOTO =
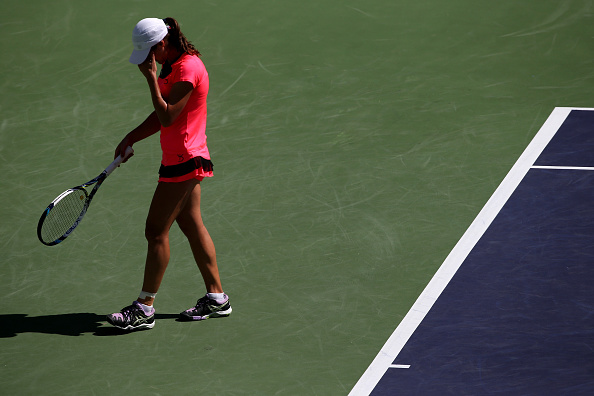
x=116, y=162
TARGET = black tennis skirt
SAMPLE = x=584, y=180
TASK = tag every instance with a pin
x=195, y=168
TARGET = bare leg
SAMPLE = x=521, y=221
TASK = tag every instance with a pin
x=190, y=222
x=168, y=201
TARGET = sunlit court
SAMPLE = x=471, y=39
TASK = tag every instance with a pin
x=400, y=200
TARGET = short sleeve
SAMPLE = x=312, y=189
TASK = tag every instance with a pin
x=188, y=71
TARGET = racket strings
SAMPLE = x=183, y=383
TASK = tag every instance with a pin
x=63, y=215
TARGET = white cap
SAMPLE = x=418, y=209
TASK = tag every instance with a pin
x=146, y=33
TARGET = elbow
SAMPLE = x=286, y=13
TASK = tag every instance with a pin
x=167, y=118
x=166, y=124
x=166, y=121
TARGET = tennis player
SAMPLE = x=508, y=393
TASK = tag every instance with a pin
x=178, y=95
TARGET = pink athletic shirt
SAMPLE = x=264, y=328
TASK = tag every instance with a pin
x=186, y=137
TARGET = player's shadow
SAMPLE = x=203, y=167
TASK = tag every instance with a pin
x=73, y=324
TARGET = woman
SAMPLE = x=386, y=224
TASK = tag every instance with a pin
x=179, y=98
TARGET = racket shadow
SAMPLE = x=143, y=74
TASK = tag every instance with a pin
x=71, y=324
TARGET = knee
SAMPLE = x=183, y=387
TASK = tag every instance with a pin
x=154, y=234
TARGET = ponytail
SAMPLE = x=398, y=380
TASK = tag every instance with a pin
x=177, y=40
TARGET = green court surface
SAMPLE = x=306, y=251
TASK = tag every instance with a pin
x=353, y=142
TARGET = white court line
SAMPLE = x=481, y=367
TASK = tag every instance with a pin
x=400, y=336
x=586, y=168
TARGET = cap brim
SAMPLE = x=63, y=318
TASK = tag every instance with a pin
x=139, y=56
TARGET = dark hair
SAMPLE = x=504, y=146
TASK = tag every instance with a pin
x=176, y=38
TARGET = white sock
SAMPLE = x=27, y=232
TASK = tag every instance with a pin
x=148, y=309
x=218, y=297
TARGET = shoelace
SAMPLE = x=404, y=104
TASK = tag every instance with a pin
x=130, y=313
x=201, y=303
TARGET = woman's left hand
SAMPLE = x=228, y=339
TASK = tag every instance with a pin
x=149, y=66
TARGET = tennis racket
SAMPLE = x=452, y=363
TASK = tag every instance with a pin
x=65, y=212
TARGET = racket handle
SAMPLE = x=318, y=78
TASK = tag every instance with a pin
x=116, y=162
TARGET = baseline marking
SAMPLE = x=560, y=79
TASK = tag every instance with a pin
x=384, y=359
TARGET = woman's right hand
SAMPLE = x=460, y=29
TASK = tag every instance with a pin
x=121, y=149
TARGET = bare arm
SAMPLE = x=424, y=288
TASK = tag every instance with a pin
x=167, y=111
x=148, y=127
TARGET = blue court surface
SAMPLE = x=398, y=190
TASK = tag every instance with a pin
x=511, y=309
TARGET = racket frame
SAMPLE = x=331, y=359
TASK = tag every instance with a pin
x=88, y=197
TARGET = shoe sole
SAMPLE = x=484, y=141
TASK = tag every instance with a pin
x=145, y=326
x=217, y=314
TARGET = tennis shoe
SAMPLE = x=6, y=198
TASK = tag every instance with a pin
x=132, y=317
x=206, y=308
